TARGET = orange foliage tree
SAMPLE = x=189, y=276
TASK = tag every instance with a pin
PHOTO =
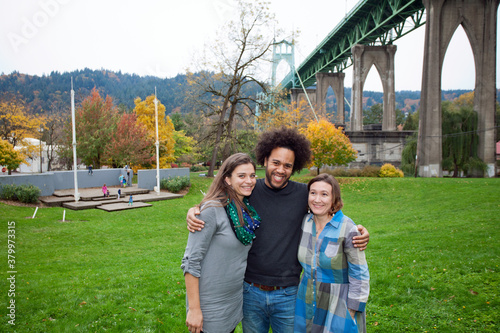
x=329, y=146
x=95, y=121
x=130, y=143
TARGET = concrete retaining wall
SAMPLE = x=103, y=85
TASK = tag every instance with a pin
x=49, y=182
x=378, y=147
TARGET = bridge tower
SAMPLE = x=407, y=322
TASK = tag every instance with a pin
x=382, y=57
x=336, y=81
x=479, y=21
x=283, y=50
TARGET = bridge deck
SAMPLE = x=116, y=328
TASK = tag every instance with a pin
x=368, y=23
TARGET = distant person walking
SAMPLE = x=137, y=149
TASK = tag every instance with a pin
x=130, y=200
x=122, y=180
x=90, y=170
x=104, y=190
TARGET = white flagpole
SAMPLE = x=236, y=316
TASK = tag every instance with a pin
x=157, y=149
x=77, y=195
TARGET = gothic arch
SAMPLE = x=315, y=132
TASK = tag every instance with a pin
x=336, y=82
x=382, y=57
x=479, y=20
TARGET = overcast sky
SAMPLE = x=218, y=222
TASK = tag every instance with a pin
x=154, y=37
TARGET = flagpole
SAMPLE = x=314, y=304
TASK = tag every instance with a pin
x=77, y=195
x=157, y=149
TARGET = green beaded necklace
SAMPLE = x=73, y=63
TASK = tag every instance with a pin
x=245, y=233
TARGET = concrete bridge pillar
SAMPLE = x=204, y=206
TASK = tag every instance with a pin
x=298, y=95
x=336, y=81
x=479, y=20
x=382, y=57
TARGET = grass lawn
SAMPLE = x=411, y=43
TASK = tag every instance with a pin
x=433, y=256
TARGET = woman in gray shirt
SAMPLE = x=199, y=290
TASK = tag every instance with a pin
x=215, y=259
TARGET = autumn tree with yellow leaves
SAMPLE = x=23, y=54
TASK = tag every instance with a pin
x=16, y=125
x=9, y=158
x=145, y=112
x=329, y=145
x=296, y=115
x=15, y=122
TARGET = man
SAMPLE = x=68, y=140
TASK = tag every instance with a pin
x=273, y=271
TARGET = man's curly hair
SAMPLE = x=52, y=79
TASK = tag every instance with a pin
x=288, y=138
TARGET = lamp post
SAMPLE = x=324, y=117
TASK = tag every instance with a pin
x=75, y=177
x=157, y=143
x=41, y=135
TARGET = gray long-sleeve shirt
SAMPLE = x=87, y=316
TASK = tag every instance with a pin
x=219, y=260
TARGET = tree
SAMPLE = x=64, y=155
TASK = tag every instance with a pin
x=296, y=115
x=15, y=122
x=17, y=125
x=374, y=115
x=460, y=138
x=145, y=111
x=228, y=66
x=54, y=129
x=9, y=157
x=95, y=121
x=130, y=143
x=329, y=146
x=411, y=123
x=408, y=155
x=185, y=148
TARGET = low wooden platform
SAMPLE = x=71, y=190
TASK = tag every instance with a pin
x=123, y=206
x=91, y=198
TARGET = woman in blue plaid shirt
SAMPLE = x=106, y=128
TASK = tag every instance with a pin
x=335, y=284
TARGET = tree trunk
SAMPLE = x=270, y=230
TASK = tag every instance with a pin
x=455, y=169
x=217, y=141
x=221, y=126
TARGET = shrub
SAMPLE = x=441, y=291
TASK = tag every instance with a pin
x=367, y=171
x=175, y=184
x=28, y=193
x=8, y=192
x=389, y=170
x=370, y=171
x=355, y=173
x=23, y=193
x=339, y=172
x=197, y=168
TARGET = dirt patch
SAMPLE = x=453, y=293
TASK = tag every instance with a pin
x=22, y=204
x=181, y=192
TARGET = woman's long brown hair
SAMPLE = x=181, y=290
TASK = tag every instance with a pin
x=220, y=192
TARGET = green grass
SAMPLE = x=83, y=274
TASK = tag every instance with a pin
x=433, y=256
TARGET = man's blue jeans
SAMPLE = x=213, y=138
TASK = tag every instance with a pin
x=262, y=309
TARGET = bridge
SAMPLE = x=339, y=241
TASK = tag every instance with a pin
x=370, y=22
x=364, y=39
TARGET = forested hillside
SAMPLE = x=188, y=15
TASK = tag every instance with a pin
x=40, y=92
x=43, y=92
